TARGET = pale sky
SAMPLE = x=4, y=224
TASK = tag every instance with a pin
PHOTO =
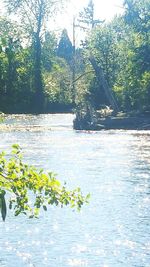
x=104, y=9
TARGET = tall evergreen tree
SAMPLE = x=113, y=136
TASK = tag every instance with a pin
x=65, y=48
x=86, y=17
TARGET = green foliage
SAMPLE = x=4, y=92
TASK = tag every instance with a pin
x=34, y=16
x=37, y=70
x=57, y=74
x=49, y=46
x=30, y=189
x=137, y=15
x=15, y=68
x=86, y=17
x=58, y=83
x=122, y=48
x=103, y=45
x=65, y=48
x=3, y=207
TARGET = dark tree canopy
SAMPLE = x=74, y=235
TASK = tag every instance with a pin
x=65, y=48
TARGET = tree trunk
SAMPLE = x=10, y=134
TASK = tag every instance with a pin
x=38, y=83
x=108, y=92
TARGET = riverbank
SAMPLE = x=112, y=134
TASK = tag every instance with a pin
x=126, y=122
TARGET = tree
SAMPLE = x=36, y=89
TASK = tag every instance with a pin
x=135, y=56
x=15, y=69
x=34, y=16
x=103, y=46
x=86, y=17
x=29, y=189
x=137, y=15
x=49, y=47
x=58, y=91
x=11, y=38
x=65, y=48
x=101, y=73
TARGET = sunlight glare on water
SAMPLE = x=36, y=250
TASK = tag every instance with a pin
x=114, y=166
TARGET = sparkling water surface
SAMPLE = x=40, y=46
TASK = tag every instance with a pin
x=114, y=166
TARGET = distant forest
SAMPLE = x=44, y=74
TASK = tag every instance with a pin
x=40, y=72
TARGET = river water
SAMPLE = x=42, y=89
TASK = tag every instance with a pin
x=114, y=166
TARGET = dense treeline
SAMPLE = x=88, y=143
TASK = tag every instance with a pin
x=18, y=89
x=37, y=68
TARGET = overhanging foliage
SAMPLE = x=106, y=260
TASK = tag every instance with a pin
x=29, y=189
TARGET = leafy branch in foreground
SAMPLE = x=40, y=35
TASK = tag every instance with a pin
x=30, y=189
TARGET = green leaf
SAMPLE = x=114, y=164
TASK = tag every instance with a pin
x=15, y=146
x=3, y=205
x=44, y=207
x=23, y=181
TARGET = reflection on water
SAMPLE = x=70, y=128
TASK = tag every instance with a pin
x=114, y=166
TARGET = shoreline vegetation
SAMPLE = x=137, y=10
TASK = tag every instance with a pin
x=45, y=72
